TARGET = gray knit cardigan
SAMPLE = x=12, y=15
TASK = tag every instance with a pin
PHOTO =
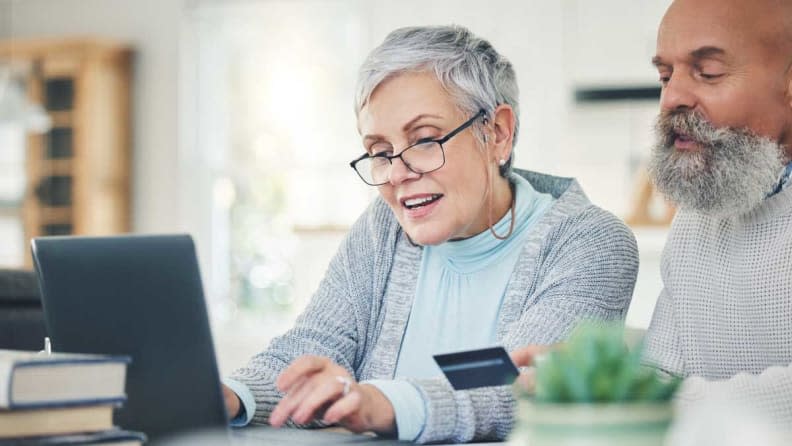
x=580, y=262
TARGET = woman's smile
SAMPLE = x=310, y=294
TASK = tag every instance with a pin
x=420, y=205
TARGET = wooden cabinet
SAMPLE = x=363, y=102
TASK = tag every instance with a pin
x=78, y=172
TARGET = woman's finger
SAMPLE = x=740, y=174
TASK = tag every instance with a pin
x=329, y=390
x=289, y=403
x=343, y=408
x=527, y=380
x=302, y=366
x=526, y=356
x=523, y=357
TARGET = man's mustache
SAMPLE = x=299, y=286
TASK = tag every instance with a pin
x=688, y=124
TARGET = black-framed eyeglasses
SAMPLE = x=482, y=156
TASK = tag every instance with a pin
x=426, y=155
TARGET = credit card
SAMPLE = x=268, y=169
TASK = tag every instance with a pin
x=477, y=368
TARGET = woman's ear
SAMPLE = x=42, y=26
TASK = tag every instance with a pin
x=504, y=121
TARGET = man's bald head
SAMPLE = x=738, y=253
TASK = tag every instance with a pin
x=767, y=23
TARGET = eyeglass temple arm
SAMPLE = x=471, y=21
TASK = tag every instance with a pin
x=467, y=124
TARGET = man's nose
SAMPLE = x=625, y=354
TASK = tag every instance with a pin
x=678, y=94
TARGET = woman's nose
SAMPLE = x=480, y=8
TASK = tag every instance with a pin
x=399, y=172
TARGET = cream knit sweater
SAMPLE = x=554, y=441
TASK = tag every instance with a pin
x=724, y=317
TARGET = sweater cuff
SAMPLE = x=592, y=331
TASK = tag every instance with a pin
x=408, y=406
x=248, y=402
x=442, y=413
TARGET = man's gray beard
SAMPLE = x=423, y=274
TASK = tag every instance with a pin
x=730, y=173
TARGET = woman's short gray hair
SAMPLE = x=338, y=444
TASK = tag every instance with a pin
x=467, y=66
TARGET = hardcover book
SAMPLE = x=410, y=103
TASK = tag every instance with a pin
x=66, y=420
x=34, y=380
x=113, y=437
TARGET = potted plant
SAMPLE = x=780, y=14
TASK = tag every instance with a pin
x=593, y=390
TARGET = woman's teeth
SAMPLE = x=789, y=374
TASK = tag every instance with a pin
x=422, y=201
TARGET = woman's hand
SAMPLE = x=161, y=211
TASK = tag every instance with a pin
x=232, y=402
x=526, y=357
x=317, y=388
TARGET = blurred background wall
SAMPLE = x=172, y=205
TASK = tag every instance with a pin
x=152, y=28
x=242, y=125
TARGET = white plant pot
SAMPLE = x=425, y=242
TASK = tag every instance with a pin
x=593, y=424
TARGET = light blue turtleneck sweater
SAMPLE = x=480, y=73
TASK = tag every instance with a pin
x=460, y=288
x=578, y=262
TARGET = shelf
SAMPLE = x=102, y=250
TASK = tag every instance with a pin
x=320, y=229
x=8, y=209
x=9, y=204
x=77, y=173
x=620, y=93
x=55, y=215
x=61, y=118
x=55, y=167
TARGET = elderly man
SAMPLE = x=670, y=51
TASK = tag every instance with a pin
x=724, y=142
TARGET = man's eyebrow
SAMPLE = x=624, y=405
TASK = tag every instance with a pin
x=706, y=52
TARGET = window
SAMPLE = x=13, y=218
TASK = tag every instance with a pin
x=267, y=156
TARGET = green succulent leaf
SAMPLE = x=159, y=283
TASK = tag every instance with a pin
x=595, y=365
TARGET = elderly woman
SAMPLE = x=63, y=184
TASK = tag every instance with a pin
x=458, y=252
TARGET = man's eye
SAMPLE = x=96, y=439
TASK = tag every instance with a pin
x=664, y=79
x=709, y=76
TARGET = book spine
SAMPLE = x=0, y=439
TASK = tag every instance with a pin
x=64, y=359
x=6, y=380
x=114, y=401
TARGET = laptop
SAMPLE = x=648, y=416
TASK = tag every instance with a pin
x=142, y=296
x=139, y=296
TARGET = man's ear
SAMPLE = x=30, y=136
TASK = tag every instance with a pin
x=789, y=88
x=789, y=85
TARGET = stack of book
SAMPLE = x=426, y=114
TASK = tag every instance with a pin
x=62, y=398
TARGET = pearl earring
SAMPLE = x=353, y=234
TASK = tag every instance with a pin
x=502, y=162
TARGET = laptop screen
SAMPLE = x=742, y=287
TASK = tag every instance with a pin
x=139, y=296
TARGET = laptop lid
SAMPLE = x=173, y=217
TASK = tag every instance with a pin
x=140, y=296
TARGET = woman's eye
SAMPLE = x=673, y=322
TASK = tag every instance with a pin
x=379, y=150
x=423, y=140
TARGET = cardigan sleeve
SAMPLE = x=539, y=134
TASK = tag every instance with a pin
x=587, y=270
x=335, y=321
